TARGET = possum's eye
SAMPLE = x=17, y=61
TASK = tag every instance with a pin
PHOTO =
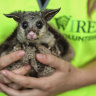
x=25, y=24
x=39, y=24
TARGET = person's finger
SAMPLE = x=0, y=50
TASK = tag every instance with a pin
x=4, y=79
x=8, y=59
x=14, y=86
x=25, y=81
x=23, y=70
x=50, y=60
x=9, y=91
x=13, y=92
x=34, y=92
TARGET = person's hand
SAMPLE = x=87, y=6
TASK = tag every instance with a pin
x=65, y=78
x=9, y=59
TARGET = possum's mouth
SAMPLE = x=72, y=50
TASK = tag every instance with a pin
x=31, y=35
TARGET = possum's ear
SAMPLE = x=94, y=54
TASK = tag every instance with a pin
x=49, y=14
x=16, y=16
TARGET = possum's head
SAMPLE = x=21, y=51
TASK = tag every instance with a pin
x=32, y=25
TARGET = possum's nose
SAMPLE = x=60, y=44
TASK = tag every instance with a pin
x=31, y=35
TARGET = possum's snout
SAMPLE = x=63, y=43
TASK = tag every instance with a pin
x=31, y=35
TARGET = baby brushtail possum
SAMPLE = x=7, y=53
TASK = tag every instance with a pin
x=34, y=35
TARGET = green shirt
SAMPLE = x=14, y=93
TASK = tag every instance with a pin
x=72, y=21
